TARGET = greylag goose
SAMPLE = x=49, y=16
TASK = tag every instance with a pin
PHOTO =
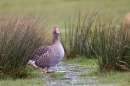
x=48, y=56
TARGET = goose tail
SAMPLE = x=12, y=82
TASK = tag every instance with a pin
x=30, y=62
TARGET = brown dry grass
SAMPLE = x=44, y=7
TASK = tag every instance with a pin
x=19, y=38
x=126, y=20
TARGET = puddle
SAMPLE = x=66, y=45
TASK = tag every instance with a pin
x=73, y=74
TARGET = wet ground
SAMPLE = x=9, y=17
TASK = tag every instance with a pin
x=70, y=75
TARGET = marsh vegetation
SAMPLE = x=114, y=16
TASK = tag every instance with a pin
x=97, y=46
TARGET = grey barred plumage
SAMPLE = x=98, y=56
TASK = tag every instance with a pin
x=48, y=56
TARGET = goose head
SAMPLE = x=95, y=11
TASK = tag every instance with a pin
x=55, y=33
x=56, y=30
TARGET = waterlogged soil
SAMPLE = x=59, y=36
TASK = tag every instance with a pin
x=70, y=75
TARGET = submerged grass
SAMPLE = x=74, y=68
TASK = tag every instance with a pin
x=56, y=75
x=19, y=37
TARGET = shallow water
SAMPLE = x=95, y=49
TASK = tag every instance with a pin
x=72, y=75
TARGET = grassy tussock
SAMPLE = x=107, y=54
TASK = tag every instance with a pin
x=106, y=40
x=19, y=37
x=77, y=33
x=112, y=46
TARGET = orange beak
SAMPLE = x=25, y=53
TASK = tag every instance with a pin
x=57, y=30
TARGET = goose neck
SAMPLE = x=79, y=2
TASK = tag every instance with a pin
x=55, y=38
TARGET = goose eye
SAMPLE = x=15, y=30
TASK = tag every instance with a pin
x=57, y=30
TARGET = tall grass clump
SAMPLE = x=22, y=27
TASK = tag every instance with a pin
x=19, y=37
x=112, y=46
x=76, y=39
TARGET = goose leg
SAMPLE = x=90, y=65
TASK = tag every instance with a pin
x=44, y=70
x=48, y=69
